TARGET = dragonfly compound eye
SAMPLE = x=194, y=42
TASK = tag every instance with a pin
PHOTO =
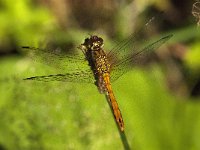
x=87, y=41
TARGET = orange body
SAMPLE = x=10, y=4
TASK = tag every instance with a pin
x=113, y=102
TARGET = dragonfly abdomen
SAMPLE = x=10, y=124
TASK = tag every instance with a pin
x=113, y=102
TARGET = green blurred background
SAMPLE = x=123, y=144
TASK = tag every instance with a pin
x=159, y=102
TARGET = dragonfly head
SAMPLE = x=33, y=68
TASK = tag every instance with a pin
x=94, y=42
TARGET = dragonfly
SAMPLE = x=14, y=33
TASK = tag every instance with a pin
x=96, y=65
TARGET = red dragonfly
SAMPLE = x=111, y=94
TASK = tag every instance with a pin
x=96, y=65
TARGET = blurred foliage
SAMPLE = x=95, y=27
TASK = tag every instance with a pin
x=38, y=115
x=192, y=57
x=23, y=23
x=57, y=115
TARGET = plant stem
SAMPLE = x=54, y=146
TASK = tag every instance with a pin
x=121, y=133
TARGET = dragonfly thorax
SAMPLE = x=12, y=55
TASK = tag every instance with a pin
x=94, y=53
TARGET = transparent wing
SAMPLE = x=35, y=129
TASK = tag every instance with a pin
x=79, y=77
x=123, y=66
x=57, y=60
x=120, y=51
